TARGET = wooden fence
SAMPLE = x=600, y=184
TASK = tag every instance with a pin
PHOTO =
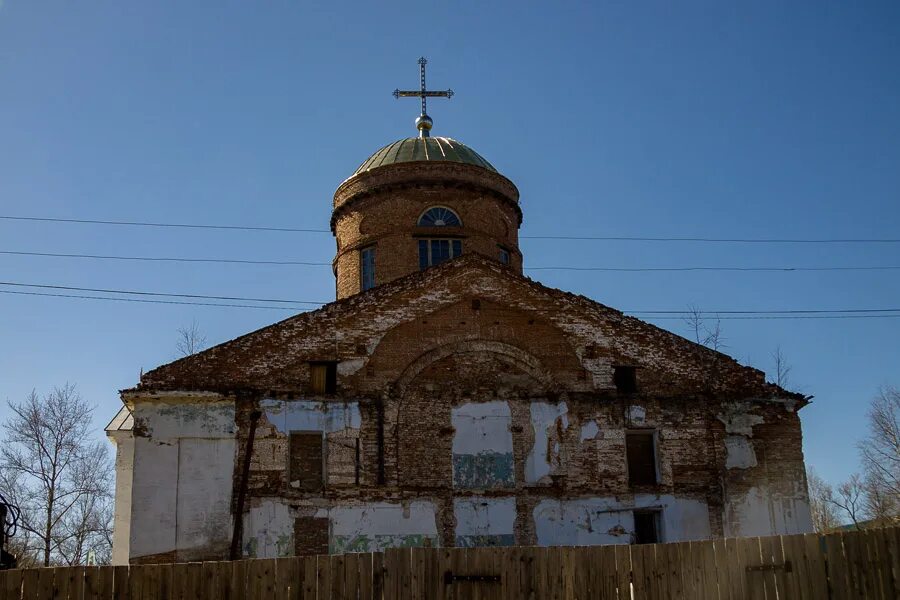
x=836, y=566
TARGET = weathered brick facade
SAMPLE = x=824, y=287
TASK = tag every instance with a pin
x=473, y=406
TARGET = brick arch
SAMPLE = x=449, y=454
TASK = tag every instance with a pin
x=507, y=353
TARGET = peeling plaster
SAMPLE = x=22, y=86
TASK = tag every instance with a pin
x=595, y=521
x=739, y=452
x=482, y=446
x=376, y=526
x=637, y=415
x=309, y=415
x=163, y=420
x=589, y=431
x=738, y=419
x=545, y=418
x=485, y=521
x=762, y=512
x=269, y=530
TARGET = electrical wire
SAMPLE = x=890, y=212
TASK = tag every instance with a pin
x=653, y=314
x=184, y=259
x=525, y=237
x=166, y=259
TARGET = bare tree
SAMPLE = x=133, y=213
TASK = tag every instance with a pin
x=850, y=497
x=880, y=454
x=705, y=334
x=824, y=512
x=191, y=340
x=58, y=476
x=782, y=368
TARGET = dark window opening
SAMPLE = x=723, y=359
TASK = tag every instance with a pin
x=504, y=256
x=434, y=252
x=367, y=268
x=646, y=527
x=625, y=379
x=641, y=455
x=323, y=377
x=306, y=460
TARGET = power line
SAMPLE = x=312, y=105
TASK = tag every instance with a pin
x=730, y=314
x=286, y=308
x=738, y=269
x=182, y=259
x=166, y=259
x=524, y=237
x=159, y=294
x=716, y=240
x=169, y=225
x=145, y=301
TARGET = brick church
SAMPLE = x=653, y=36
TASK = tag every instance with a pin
x=444, y=399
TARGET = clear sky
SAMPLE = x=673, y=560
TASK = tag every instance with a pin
x=714, y=119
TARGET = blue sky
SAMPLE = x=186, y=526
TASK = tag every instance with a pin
x=776, y=120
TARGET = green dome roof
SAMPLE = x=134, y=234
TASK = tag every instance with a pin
x=432, y=149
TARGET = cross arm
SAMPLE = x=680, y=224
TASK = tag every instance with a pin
x=420, y=94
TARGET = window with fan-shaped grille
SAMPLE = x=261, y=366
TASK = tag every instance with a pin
x=439, y=216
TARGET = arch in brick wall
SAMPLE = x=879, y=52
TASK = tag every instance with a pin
x=515, y=357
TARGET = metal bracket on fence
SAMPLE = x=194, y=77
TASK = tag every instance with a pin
x=785, y=566
x=450, y=578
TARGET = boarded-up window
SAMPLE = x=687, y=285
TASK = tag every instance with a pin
x=310, y=536
x=641, y=457
x=306, y=460
x=646, y=527
x=323, y=377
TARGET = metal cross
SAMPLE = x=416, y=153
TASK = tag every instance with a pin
x=423, y=123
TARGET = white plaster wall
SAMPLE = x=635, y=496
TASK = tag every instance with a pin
x=184, y=455
x=482, y=427
x=739, y=453
x=268, y=530
x=205, y=471
x=168, y=420
x=544, y=416
x=154, y=497
x=383, y=518
x=124, y=476
x=760, y=513
x=478, y=516
x=595, y=521
x=309, y=415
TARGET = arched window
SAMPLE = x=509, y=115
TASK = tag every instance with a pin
x=439, y=216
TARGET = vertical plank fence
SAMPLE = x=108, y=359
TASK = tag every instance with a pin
x=836, y=566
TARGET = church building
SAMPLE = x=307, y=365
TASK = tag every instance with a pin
x=444, y=399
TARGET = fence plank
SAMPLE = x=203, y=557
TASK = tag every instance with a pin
x=366, y=584
x=378, y=575
x=310, y=573
x=881, y=540
x=30, y=583
x=754, y=581
x=623, y=571
x=838, y=568
x=121, y=588
x=13, y=585
x=91, y=583
x=239, y=580
x=891, y=538
x=814, y=555
x=338, y=591
x=46, y=578
x=106, y=583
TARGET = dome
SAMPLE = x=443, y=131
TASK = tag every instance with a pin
x=431, y=149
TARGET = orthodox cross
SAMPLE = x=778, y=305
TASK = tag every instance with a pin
x=424, y=122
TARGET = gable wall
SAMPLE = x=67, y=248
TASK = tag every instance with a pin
x=497, y=421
